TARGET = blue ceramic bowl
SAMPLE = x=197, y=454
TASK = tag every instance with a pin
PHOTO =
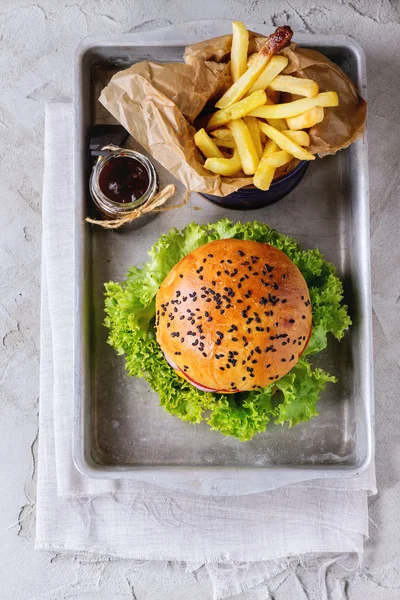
x=250, y=198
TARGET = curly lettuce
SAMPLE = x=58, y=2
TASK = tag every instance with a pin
x=130, y=317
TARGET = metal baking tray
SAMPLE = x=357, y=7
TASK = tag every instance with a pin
x=120, y=429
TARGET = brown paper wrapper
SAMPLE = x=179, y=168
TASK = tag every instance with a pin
x=158, y=103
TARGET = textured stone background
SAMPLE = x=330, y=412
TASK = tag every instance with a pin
x=37, y=44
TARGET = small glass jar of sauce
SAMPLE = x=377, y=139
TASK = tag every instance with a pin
x=121, y=182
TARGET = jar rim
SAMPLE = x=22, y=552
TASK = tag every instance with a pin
x=101, y=197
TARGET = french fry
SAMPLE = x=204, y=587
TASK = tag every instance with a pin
x=255, y=132
x=206, y=145
x=300, y=137
x=277, y=159
x=228, y=143
x=222, y=134
x=263, y=176
x=224, y=166
x=251, y=59
x=247, y=152
x=295, y=108
x=307, y=119
x=279, y=124
x=270, y=147
x=238, y=110
x=285, y=143
x=240, y=45
x=269, y=73
x=274, y=43
x=266, y=169
x=294, y=85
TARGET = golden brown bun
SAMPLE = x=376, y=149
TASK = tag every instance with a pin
x=234, y=315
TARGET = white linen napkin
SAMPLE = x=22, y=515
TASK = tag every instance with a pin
x=243, y=541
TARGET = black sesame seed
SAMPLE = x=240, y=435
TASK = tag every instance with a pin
x=292, y=321
x=181, y=276
x=283, y=359
x=218, y=273
x=284, y=301
x=218, y=342
x=257, y=349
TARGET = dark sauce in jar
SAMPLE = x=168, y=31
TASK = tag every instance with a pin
x=123, y=179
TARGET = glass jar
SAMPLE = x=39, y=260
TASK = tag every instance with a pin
x=111, y=209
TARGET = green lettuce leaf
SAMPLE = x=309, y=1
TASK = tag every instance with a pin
x=130, y=312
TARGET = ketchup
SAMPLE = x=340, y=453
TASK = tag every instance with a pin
x=123, y=179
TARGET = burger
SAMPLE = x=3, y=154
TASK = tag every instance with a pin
x=233, y=315
x=223, y=320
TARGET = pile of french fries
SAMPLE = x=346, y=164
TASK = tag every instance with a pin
x=251, y=132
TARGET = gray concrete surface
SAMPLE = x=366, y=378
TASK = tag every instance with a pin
x=37, y=43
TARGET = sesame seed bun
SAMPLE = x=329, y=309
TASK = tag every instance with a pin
x=233, y=315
